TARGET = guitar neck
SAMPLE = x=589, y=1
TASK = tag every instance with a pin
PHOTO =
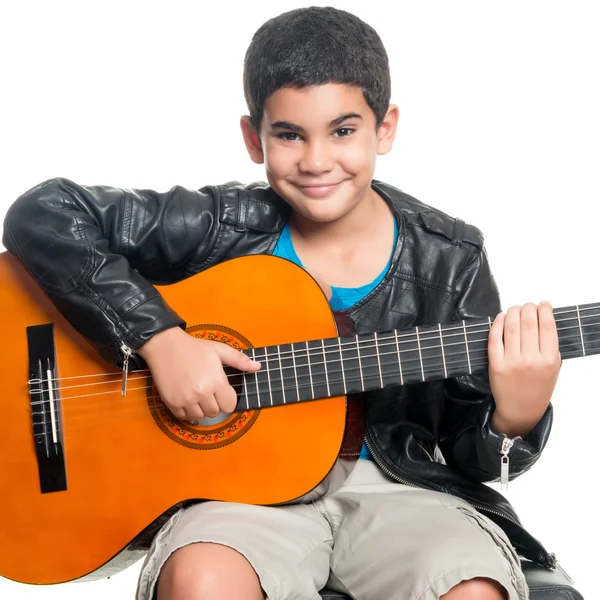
x=338, y=366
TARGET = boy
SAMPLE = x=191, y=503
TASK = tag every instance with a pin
x=404, y=524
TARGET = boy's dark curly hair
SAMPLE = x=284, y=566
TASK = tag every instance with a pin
x=314, y=46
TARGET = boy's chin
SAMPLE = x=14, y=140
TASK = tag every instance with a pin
x=324, y=214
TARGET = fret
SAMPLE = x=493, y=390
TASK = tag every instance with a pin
x=303, y=374
x=342, y=365
x=420, y=355
x=325, y=367
x=478, y=335
x=410, y=357
x=260, y=377
x=245, y=398
x=268, y=372
x=351, y=364
x=399, y=357
x=281, y=374
x=467, y=348
x=454, y=349
x=389, y=359
x=293, y=352
x=431, y=359
x=442, y=349
x=263, y=379
x=317, y=369
x=289, y=375
x=378, y=359
x=580, y=330
x=487, y=341
x=269, y=379
x=360, y=367
x=256, y=384
x=370, y=368
x=336, y=379
x=312, y=389
x=271, y=368
x=590, y=322
x=567, y=322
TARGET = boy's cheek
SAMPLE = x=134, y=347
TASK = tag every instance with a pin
x=280, y=162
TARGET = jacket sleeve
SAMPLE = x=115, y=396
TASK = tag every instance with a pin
x=467, y=441
x=97, y=250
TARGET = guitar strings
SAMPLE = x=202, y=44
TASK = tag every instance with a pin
x=409, y=371
x=143, y=409
x=279, y=369
x=313, y=352
x=476, y=363
x=317, y=352
x=334, y=349
x=406, y=371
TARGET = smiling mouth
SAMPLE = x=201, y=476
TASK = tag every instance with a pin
x=319, y=191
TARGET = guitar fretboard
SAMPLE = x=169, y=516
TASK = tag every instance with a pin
x=338, y=366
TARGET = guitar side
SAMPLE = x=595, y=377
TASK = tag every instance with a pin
x=127, y=460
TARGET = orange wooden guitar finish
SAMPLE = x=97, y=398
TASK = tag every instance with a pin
x=87, y=475
x=127, y=459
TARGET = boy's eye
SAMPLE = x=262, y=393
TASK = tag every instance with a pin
x=289, y=136
x=344, y=132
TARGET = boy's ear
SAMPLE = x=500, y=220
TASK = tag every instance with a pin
x=252, y=140
x=387, y=130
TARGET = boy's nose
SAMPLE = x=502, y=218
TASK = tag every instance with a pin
x=316, y=158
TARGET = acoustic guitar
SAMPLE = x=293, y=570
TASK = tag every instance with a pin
x=88, y=461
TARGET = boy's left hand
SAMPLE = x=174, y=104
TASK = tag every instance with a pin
x=523, y=367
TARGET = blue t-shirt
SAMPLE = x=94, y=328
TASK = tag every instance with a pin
x=341, y=298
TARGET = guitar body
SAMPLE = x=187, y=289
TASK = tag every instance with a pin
x=127, y=459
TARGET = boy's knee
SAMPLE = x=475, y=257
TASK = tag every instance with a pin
x=479, y=588
x=205, y=570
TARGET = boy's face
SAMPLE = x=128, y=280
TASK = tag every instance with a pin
x=319, y=147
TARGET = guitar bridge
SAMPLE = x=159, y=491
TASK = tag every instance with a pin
x=45, y=404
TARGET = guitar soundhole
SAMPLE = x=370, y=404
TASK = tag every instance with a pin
x=207, y=434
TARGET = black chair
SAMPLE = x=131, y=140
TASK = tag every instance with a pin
x=544, y=584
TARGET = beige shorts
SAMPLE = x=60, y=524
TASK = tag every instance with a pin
x=374, y=539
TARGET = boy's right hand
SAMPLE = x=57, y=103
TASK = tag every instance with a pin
x=189, y=376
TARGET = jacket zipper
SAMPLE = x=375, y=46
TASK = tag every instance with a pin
x=127, y=352
x=507, y=444
x=551, y=563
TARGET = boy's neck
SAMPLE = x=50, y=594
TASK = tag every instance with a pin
x=351, y=251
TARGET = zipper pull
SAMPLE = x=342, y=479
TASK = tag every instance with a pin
x=507, y=444
x=127, y=352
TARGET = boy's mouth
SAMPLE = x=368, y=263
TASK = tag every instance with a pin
x=319, y=191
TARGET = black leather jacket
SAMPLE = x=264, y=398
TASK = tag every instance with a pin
x=95, y=251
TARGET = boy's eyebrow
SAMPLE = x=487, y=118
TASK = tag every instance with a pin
x=343, y=118
x=292, y=127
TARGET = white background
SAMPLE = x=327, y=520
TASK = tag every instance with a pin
x=499, y=125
